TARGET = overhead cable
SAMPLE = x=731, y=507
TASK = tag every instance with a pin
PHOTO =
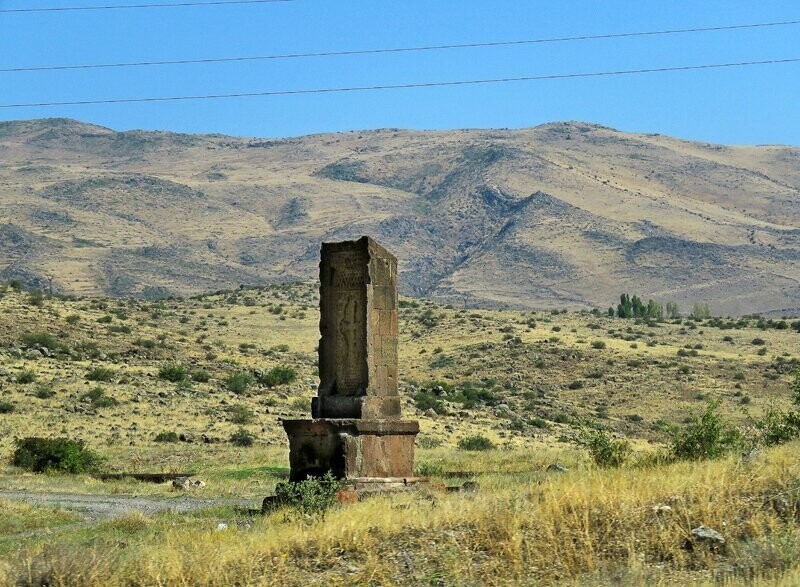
x=402, y=86
x=400, y=49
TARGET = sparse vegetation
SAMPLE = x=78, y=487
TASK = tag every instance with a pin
x=54, y=454
x=312, y=497
x=502, y=381
x=475, y=443
x=280, y=375
x=173, y=372
x=707, y=436
x=242, y=438
x=239, y=382
x=101, y=374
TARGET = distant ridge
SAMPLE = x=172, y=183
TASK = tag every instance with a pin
x=566, y=214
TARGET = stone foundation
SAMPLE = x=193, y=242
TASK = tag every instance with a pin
x=352, y=449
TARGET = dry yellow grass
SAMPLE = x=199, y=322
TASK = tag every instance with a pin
x=524, y=526
x=587, y=526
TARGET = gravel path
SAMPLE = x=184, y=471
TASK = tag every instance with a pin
x=103, y=507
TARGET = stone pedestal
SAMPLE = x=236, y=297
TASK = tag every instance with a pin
x=356, y=432
x=351, y=449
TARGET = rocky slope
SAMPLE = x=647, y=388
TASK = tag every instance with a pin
x=560, y=215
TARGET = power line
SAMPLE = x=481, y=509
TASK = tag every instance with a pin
x=130, y=6
x=402, y=49
x=404, y=86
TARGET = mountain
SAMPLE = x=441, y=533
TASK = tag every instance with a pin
x=561, y=215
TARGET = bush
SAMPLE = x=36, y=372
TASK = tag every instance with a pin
x=604, y=450
x=167, y=437
x=72, y=319
x=428, y=469
x=598, y=344
x=145, y=343
x=795, y=389
x=36, y=298
x=425, y=401
x=98, y=399
x=6, y=407
x=101, y=374
x=778, y=427
x=27, y=376
x=280, y=375
x=44, y=391
x=173, y=372
x=705, y=437
x=239, y=382
x=240, y=414
x=242, y=438
x=300, y=403
x=54, y=454
x=475, y=443
x=312, y=497
x=428, y=442
x=200, y=376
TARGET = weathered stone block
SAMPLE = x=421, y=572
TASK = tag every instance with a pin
x=358, y=320
x=351, y=448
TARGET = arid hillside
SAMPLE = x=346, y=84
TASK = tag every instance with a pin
x=560, y=215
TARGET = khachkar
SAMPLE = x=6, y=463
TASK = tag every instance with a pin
x=356, y=432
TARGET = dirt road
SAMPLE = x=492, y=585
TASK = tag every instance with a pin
x=102, y=507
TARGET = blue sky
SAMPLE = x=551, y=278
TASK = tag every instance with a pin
x=754, y=105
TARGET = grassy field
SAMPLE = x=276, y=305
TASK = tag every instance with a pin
x=116, y=374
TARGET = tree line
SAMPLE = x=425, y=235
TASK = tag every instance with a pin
x=634, y=307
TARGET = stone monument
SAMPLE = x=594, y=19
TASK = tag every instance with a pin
x=356, y=431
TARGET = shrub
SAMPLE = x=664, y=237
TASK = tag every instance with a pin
x=240, y=414
x=88, y=349
x=173, y=372
x=705, y=437
x=312, y=497
x=442, y=361
x=27, y=376
x=428, y=469
x=72, y=319
x=475, y=443
x=36, y=298
x=44, y=391
x=41, y=339
x=54, y=454
x=425, y=401
x=98, y=399
x=6, y=407
x=604, y=450
x=795, y=389
x=280, y=375
x=242, y=438
x=239, y=382
x=428, y=442
x=471, y=395
x=167, y=437
x=778, y=427
x=577, y=384
x=200, y=376
x=300, y=403
x=598, y=344
x=101, y=374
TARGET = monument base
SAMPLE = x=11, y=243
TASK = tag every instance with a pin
x=352, y=449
